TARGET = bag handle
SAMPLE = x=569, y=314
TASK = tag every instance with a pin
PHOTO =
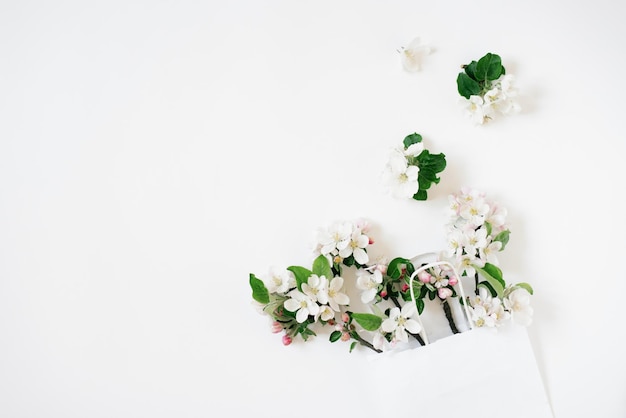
x=461, y=291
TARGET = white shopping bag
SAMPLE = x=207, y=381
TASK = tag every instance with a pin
x=481, y=372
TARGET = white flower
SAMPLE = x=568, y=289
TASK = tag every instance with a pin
x=509, y=93
x=456, y=237
x=414, y=149
x=326, y=313
x=411, y=56
x=507, y=85
x=400, y=177
x=335, y=295
x=303, y=304
x=475, y=240
x=481, y=318
x=474, y=107
x=280, y=280
x=518, y=303
x=465, y=264
x=474, y=212
x=493, y=102
x=489, y=253
x=496, y=217
x=368, y=282
x=486, y=310
x=316, y=288
x=401, y=321
x=334, y=238
x=356, y=246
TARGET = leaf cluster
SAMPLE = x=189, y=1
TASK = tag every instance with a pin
x=477, y=76
x=429, y=166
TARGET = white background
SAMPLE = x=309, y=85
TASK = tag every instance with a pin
x=154, y=154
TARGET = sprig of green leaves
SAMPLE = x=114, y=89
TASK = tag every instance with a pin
x=477, y=76
x=429, y=166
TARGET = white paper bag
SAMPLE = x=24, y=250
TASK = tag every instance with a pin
x=482, y=373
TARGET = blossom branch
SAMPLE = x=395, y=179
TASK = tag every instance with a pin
x=449, y=317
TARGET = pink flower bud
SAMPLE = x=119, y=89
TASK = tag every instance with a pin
x=444, y=292
x=405, y=287
x=331, y=322
x=371, y=240
x=287, y=339
x=276, y=327
x=345, y=337
x=383, y=293
x=345, y=317
x=452, y=280
x=424, y=276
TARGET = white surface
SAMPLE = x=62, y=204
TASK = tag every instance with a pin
x=154, y=154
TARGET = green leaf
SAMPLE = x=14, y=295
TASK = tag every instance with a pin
x=429, y=165
x=503, y=237
x=352, y=346
x=525, y=286
x=489, y=67
x=421, y=195
x=466, y=86
x=334, y=336
x=321, y=267
x=489, y=287
x=409, y=140
x=434, y=162
x=493, y=275
x=470, y=70
x=419, y=303
x=369, y=322
x=393, y=268
x=302, y=275
x=259, y=291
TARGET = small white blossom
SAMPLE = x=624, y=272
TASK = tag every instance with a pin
x=316, y=288
x=487, y=311
x=400, y=177
x=325, y=313
x=401, y=321
x=336, y=296
x=489, y=253
x=356, y=247
x=368, y=283
x=518, y=303
x=474, y=107
x=412, y=55
x=414, y=149
x=474, y=212
x=279, y=280
x=335, y=238
x=499, y=99
x=302, y=304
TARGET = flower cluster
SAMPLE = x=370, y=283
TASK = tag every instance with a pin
x=487, y=90
x=301, y=300
x=476, y=233
x=411, y=169
x=344, y=242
